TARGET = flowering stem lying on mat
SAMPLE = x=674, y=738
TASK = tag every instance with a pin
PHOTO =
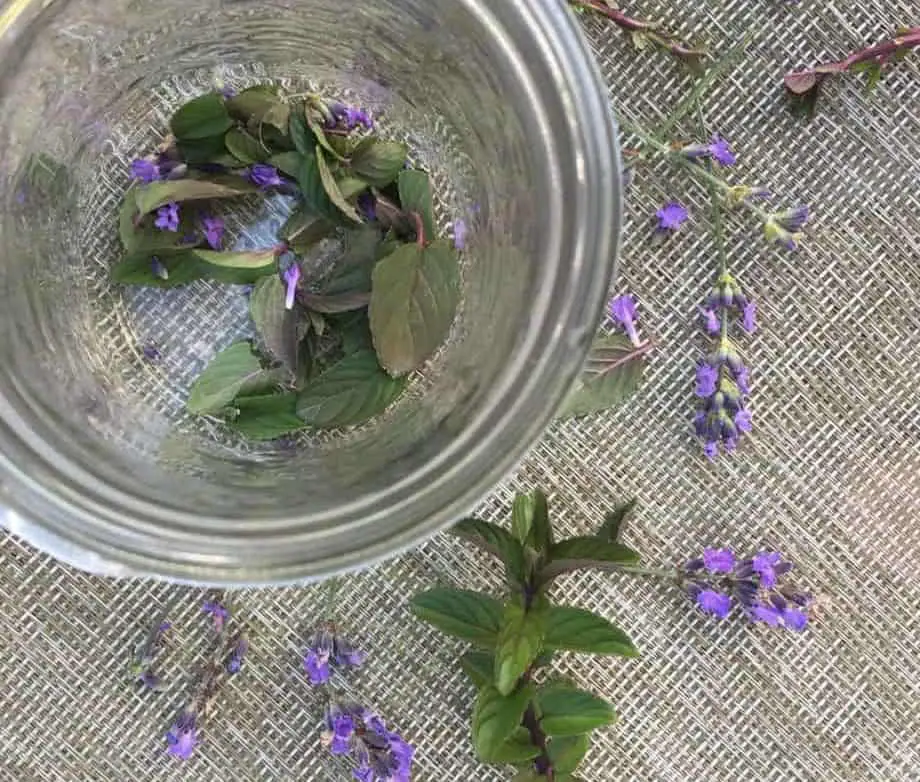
x=804, y=86
x=644, y=31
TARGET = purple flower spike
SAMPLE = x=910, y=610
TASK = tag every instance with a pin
x=749, y=317
x=460, y=233
x=218, y=614
x=714, y=603
x=381, y=755
x=719, y=560
x=145, y=170
x=671, y=216
x=710, y=320
x=624, y=311
x=721, y=151
x=235, y=661
x=264, y=175
x=291, y=278
x=213, y=228
x=765, y=565
x=168, y=217
x=327, y=647
x=182, y=736
x=316, y=664
x=707, y=377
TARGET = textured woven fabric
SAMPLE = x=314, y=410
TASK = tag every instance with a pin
x=828, y=477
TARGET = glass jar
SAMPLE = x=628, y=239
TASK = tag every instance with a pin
x=99, y=463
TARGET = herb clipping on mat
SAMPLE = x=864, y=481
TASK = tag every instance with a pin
x=526, y=716
x=334, y=348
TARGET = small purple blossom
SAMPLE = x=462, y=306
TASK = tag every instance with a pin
x=219, y=614
x=327, y=647
x=151, y=352
x=367, y=206
x=182, y=737
x=213, y=228
x=460, y=233
x=718, y=560
x=793, y=220
x=749, y=317
x=707, y=376
x=264, y=175
x=168, y=217
x=743, y=421
x=710, y=320
x=291, y=279
x=349, y=117
x=765, y=565
x=671, y=216
x=795, y=619
x=237, y=655
x=145, y=170
x=624, y=311
x=715, y=603
x=721, y=152
x=766, y=613
x=382, y=755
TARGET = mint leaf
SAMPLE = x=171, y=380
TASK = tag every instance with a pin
x=519, y=643
x=379, y=162
x=266, y=417
x=471, y=616
x=415, y=196
x=566, y=753
x=290, y=163
x=579, y=630
x=586, y=552
x=311, y=184
x=303, y=138
x=517, y=749
x=350, y=392
x=202, y=117
x=252, y=104
x=497, y=541
x=276, y=325
x=138, y=269
x=612, y=374
x=495, y=717
x=332, y=188
x=610, y=529
x=223, y=379
x=244, y=147
x=148, y=198
x=414, y=299
x=568, y=711
x=234, y=268
x=530, y=520
x=337, y=302
x=480, y=667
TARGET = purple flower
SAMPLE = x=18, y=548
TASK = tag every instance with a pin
x=316, y=664
x=766, y=613
x=715, y=603
x=671, y=216
x=213, y=228
x=460, y=233
x=711, y=320
x=182, y=736
x=793, y=220
x=749, y=317
x=765, y=565
x=367, y=205
x=623, y=310
x=742, y=379
x=151, y=352
x=795, y=619
x=711, y=450
x=718, y=560
x=743, y=421
x=327, y=647
x=145, y=170
x=721, y=152
x=291, y=278
x=349, y=117
x=218, y=613
x=264, y=175
x=707, y=376
x=235, y=661
x=381, y=755
x=168, y=217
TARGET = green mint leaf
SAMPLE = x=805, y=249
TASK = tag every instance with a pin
x=497, y=541
x=349, y=393
x=202, y=117
x=316, y=129
x=276, y=325
x=496, y=716
x=352, y=273
x=290, y=163
x=415, y=196
x=566, y=754
x=145, y=237
x=414, y=299
x=530, y=520
x=312, y=187
x=148, y=198
x=528, y=775
x=253, y=103
x=203, y=151
x=278, y=118
x=579, y=630
x=517, y=749
x=266, y=417
x=351, y=187
x=223, y=379
x=355, y=330
x=470, y=616
x=379, y=162
x=244, y=147
x=568, y=711
x=332, y=188
x=235, y=268
x=334, y=303
x=613, y=374
x=138, y=269
x=480, y=667
x=301, y=135
x=304, y=229
x=610, y=529
x=519, y=643
x=586, y=552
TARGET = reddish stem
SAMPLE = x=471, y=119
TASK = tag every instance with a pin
x=419, y=229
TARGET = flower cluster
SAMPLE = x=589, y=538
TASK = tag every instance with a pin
x=381, y=755
x=624, y=312
x=347, y=118
x=718, y=579
x=785, y=228
x=722, y=379
x=718, y=149
x=182, y=737
x=327, y=647
x=670, y=218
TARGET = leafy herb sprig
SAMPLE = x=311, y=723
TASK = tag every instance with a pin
x=525, y=716
x=803, y=87
x=335, y=347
